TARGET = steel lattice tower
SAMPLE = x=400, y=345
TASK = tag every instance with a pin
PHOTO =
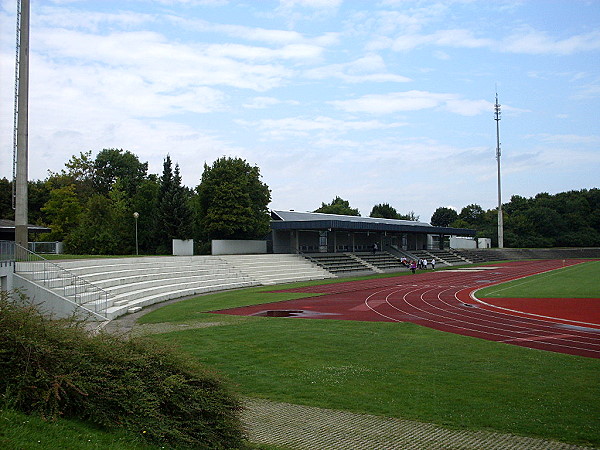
x=500, y=219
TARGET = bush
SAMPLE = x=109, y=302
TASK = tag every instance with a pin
x=55, y=368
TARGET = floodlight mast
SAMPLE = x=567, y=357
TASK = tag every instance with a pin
x=500, y=220
x=21, y=119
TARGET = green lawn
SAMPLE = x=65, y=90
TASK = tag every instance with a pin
x=390, y=369
x=22, y=432
x=19, y=431
x=579, y=281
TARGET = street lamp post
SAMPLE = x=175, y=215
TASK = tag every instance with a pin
x=135, y=216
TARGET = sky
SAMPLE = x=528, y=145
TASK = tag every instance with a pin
x=388, y=101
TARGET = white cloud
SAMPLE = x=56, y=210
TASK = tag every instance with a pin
x=442, y=38
x=468, y=107
x=533, y=42
x=370, y=68
x=265, y=102
x=60, y=17
x=412, y=101
x=169, y=65
x=300, y=126
x=565, y=138
x=274, y=37
x=589, y=90
x=313, y=4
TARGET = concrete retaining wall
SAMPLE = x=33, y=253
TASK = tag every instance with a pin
x=49, y=301
x=231, y=247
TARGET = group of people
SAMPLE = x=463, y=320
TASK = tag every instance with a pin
x=418, y=264
x=411, y=264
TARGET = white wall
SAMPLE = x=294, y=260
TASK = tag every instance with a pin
x=183, y=247
x=466, y=243
x=49, y=301
x=6, y=276
x=231, y=247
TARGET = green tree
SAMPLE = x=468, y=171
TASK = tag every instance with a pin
x=112, y=164
x=144, y=203
x=338, y=206
x=409, y=216
x=6, y=210
x=63, y=211
x=384, y=211
x=38, y=194
x=443, y=217
x=80, y=172
x=232, y=201
x=106, y=226
x=472, y=214
x=173, y=213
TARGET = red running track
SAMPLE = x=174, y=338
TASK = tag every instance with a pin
x=445, y=300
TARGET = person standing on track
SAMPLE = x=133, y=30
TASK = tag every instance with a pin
x=433, y=264
x=413, y=266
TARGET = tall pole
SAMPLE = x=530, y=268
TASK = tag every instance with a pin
x=500, y=220
x=21, y=205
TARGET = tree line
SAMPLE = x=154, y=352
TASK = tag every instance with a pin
x=89, y=206
x=566, y=219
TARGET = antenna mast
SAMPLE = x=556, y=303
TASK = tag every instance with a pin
x=500, y=221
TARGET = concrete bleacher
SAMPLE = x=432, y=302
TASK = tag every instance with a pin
x=501, y=254
x=445, y=257
x=448, y=256
x=480, y=255
x=339, y=263
x=277, y=268
x=383, y=261
x=133, y=283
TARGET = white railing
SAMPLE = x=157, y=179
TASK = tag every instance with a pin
x=60, y=280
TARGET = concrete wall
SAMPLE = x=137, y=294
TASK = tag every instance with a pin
x=232, y=247
x=466, y=243
x=6, y=275
x=183, y=247
x=50, y=302
x=484, y=243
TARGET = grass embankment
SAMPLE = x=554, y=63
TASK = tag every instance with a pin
x=20, y=431
x=396, y=370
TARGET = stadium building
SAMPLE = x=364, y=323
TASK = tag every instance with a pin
x=304, y=232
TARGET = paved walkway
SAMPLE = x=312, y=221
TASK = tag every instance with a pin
x=303, y=427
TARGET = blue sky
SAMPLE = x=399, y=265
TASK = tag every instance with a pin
x=385, y=101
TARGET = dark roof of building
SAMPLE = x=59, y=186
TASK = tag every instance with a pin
x=288, y=220
x=9, y=225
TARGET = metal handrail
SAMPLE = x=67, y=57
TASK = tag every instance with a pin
x=73, y=287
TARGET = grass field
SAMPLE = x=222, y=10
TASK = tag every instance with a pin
x=579, y=281
x=396, y=370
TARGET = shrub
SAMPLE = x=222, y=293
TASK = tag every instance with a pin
x=55, y=368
